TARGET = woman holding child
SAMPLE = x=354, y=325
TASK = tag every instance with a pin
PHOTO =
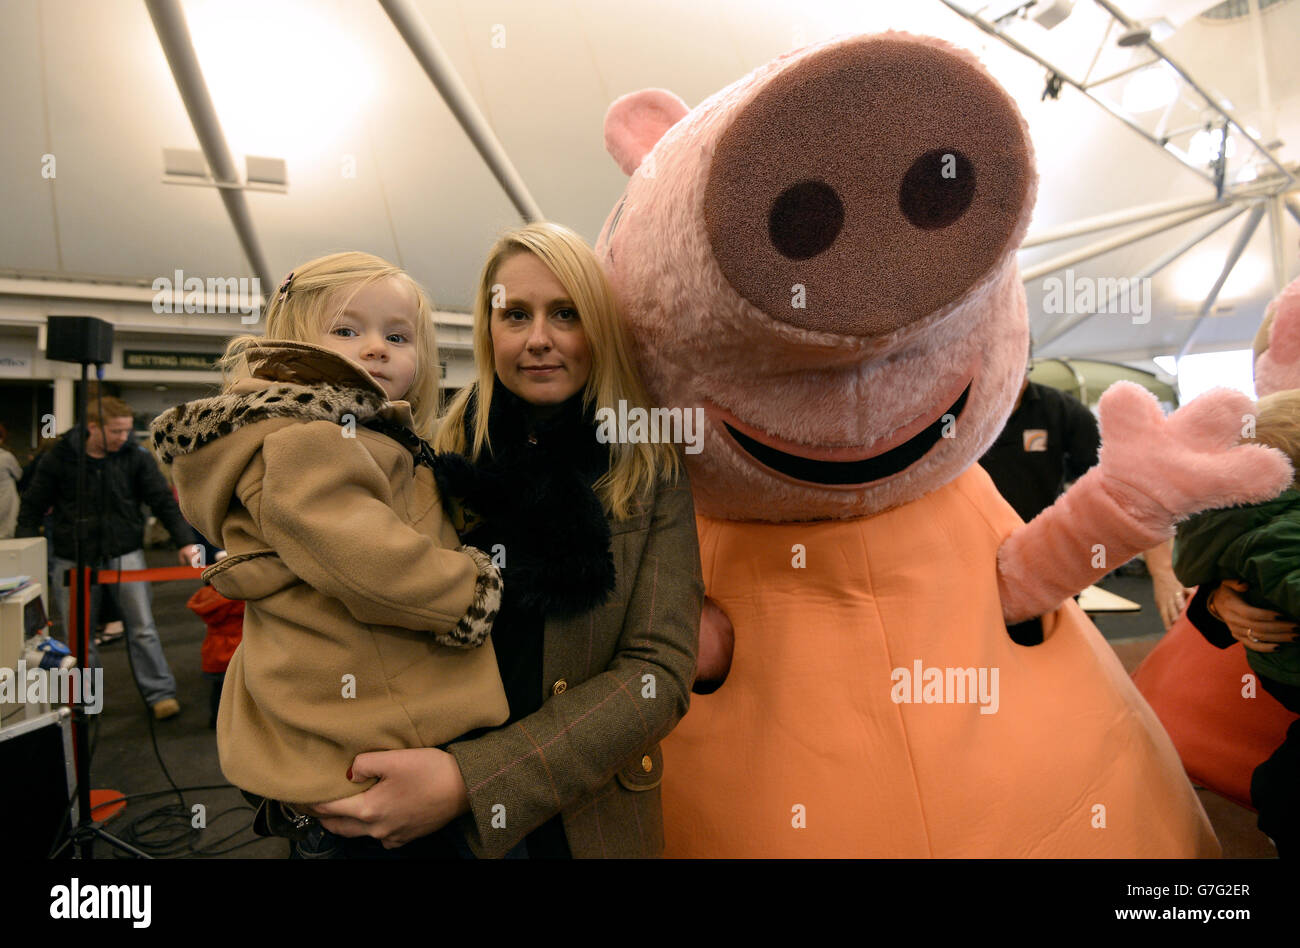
x=598, y=627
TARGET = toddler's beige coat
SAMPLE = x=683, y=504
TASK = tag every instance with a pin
x=365, y=628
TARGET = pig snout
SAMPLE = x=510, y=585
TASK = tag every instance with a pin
x=868, y=186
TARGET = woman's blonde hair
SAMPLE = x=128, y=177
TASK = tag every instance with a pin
x=320, y=291
x=1277, y=424
x=633, y=468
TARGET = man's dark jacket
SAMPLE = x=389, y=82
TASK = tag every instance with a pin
x=116, y=485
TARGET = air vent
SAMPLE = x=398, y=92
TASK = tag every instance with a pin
x=1235, y=9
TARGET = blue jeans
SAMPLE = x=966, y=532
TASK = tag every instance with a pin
x=135, y=600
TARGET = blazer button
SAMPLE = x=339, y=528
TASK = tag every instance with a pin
x=559, y=687
x=647, y=764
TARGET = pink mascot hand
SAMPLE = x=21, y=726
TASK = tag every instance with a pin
x=1166, y=469
x=1153, y=472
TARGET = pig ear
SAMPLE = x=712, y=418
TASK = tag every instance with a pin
x=637, y=121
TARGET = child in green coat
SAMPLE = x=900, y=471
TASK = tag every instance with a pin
x=1260, y=544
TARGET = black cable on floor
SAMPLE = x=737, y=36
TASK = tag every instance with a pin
x=155, y=832
x=153, y=734
x=150, y=833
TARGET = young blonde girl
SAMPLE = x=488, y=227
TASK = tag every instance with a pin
x=366, y=622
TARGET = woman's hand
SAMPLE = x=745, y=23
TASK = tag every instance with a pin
x=1260, y=630
x=717, y=643
x=419, y=792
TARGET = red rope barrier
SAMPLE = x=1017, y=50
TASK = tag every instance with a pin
x=105, y=577
x=158, y=573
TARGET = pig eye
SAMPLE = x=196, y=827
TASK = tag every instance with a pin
x=937, y=189
x=805, y=219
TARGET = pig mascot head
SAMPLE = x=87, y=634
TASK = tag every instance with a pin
x=822, y=257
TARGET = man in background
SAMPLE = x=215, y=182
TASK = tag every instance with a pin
x=1050, y=440
x=120, y=476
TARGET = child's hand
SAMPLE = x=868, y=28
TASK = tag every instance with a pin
x=1170, y=596
x=419, y=792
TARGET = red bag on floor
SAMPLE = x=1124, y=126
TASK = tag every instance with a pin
x=225, y=621
x=1196, y=691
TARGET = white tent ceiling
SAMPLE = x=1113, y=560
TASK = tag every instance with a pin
x=328, y=83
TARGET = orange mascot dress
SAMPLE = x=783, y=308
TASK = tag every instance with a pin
x=845, y=769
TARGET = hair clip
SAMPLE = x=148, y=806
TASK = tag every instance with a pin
x=284, y=288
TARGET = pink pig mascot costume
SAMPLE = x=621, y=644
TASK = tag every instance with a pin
x=820, y=259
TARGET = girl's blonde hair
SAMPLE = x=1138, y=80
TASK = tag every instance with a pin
x=633, y=468
x=1277, y=424
x=320, y=291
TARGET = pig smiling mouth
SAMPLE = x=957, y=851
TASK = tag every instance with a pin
x=855, y=472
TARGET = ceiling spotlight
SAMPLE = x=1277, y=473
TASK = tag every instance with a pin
x=1051, y=13
x=1135, y=35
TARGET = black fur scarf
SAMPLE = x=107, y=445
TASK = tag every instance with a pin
x=536, y=501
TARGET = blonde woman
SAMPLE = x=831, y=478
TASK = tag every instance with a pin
x=366, y=620
x=599, y=623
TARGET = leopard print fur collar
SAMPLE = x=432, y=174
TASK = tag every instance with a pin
x=191, y=425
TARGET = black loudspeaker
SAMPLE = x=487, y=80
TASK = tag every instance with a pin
x=78, y=339
x=36, y=794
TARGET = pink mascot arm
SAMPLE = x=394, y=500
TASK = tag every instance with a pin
x=1153, y=472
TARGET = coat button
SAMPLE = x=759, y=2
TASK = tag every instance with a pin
x=559, y=687
x=647, y=764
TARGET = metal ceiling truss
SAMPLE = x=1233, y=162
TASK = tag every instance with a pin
x=1271, y=193
x=1058, y=76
